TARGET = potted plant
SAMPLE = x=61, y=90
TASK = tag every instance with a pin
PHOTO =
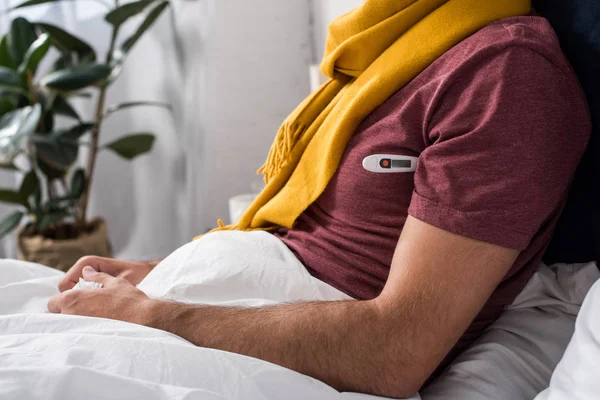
x=53, y=196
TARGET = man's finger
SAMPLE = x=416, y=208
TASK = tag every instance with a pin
x=91, y=275
x=66, y=283
x=70, y=279
x=72, y=276
x=54, y=304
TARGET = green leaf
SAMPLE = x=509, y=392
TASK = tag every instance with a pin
x=77, y=183
x=14, y=127
x=35, y=53
x=57, y=154
x=121, y=14
x=57, y=203
x=32, y=3
x=50, y=219
x=46, y=100
x=66, y=60
x=9, y=77
x=30, y=121
x=11, y=89
x=147, y=24
x=6, y=105
x=59, y=149
x=66, y=42
x=5, y=60
x=62, y=107
x=51, y=172
x=11, y=197
x=11, y=222
x=76, y=78
x=122, y=106
x=20, y=36
x=47, y=124
x=10, y=85
x=23, y=122
x=37, y=197
x=83, y=95
x=73, y=134
x=132, y=146
x=29, y=184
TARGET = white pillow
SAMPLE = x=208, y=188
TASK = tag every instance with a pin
x=577, y=376
x=516, y=356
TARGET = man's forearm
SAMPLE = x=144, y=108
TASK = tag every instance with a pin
x=343, y=344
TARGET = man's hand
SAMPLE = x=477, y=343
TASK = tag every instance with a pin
x=117, y=299
x=132, y=271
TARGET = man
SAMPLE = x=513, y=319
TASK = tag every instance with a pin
x=432, y=256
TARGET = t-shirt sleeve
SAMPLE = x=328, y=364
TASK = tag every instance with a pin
x=505, y=138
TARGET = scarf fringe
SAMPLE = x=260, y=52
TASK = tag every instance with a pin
x=285, y=140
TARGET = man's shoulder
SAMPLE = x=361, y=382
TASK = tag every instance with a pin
x=519, y=28
x=524, y=45
x=530, y=35
x=519, y=53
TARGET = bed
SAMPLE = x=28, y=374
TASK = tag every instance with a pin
x=64, y=357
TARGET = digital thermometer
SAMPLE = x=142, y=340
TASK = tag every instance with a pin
x=390, y=164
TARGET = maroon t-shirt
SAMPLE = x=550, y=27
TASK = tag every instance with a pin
x=499, y=124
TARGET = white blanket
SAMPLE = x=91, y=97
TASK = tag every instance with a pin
x=46, y=356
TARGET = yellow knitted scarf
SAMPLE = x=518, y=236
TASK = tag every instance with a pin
x=371, y=52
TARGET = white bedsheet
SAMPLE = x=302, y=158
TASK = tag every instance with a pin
x=46, y=356
x=515, y=357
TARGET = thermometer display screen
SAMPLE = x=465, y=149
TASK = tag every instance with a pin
x=390, y=163
x=401, y=163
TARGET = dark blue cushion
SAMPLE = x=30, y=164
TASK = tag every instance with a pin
x=577, y=23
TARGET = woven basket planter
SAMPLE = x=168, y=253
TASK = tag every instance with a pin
x=62, y=254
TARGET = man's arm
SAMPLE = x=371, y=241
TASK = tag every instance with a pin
x=389, y=346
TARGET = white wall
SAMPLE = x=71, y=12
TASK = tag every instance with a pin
x=233, y=70
x=325, y=11
x=255, y=56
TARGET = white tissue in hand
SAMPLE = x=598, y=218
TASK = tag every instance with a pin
x=85, y=285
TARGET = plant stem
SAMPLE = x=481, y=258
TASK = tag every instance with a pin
x=32, y=154
x=34, y=99
x=95, y=135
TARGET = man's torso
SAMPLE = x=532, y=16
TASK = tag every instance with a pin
x=348, y=236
